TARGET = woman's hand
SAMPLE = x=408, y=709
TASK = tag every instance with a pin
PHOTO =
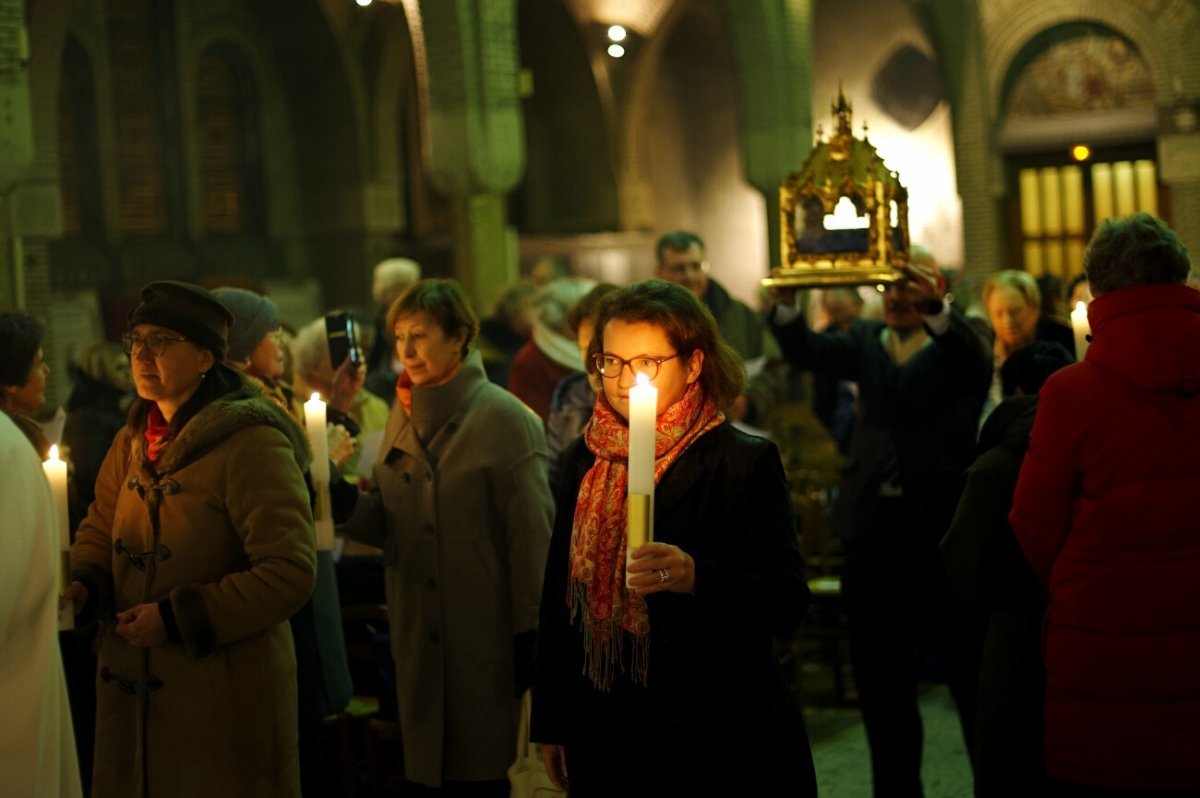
x=660, y=566
x=142, y=626
x=554, y=757
x=341, y=445
x=347, y=381
x=77, y=594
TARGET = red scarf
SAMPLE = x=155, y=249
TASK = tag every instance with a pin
x=158, y=434
x=404, y=386
x=596, y=592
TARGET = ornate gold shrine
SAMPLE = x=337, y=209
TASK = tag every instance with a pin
x=868, y=240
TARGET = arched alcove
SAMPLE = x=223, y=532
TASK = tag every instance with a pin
x=148, y=205
x=78, y=155
x=688, y=147
x=1078, y=131
x=80, y=256
x=570, y=185
x=229, y=143
x=326, y=114
x=1077, y=81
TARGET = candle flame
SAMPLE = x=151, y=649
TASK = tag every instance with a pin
x=641, y=379
x=1081, y=307
x=316, y=397
x=54, y=451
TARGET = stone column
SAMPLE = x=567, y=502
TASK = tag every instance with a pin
x=772, y=54
x=956, y=31
x=476, y=136
x=16, y=144
x=485, y=251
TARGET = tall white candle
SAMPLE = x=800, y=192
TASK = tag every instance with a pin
x=643, y=406
x=56, y=475
x=643, y=415
x=314, y=423
x=1082, y=328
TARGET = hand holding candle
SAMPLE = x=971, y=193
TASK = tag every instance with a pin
x=1082, y=328
x=661, y=567
x=314, y=423
x=56, y=475
x=643, y=417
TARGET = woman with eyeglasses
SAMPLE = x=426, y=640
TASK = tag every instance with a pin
x=460, y=504
x=670, y=686
x=197, y=549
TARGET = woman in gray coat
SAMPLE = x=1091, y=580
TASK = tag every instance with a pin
x=459, y=502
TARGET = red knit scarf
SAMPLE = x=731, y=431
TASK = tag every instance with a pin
x=596, y=592
x=158, y=434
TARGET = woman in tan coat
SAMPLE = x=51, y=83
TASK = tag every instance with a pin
x=197, y=549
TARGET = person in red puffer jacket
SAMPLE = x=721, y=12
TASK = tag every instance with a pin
x=1107, y=511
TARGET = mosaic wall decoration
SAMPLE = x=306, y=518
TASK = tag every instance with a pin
x=1087, y=73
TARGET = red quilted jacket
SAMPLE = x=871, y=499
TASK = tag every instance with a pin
x=1107, y=510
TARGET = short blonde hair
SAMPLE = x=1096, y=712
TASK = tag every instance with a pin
x=1021, y=282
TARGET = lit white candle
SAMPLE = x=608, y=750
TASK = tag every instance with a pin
x=56, y=475
x=643, y=416
x=1082, y=328
x=314, y=423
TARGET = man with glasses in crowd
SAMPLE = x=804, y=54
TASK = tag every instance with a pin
x=681, y=260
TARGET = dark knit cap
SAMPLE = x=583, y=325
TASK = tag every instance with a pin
x=187, y=309
x=253, y=317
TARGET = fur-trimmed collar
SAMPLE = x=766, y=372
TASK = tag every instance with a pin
x=241, y=408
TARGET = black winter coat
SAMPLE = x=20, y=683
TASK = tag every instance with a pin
x=715, y=713
x=985, y=565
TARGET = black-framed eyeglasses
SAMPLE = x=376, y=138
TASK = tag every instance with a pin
x=154, y=343
x=611, y=366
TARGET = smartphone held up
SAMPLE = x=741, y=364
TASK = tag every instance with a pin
x=343, y=343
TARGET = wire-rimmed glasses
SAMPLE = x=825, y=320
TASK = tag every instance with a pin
x=154, y=343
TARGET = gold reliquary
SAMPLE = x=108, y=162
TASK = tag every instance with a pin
x=844, y=216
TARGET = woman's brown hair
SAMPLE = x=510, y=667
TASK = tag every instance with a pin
x=689, y=327
x=444, y=301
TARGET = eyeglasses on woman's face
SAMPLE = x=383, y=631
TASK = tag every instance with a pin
x=610, y=366
x=154, y=343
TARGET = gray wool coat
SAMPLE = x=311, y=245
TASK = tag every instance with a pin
x=459, y=502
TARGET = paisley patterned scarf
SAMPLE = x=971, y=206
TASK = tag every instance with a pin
x=596, y=595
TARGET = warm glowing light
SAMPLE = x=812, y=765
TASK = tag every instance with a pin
x=845, y=217
x=1082, y=328
x=363, y=3
x=616, y=50
x=640, y=379
x=617, y=34
x=1080, y=152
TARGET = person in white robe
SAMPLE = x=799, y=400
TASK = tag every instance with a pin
x=37, y=745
